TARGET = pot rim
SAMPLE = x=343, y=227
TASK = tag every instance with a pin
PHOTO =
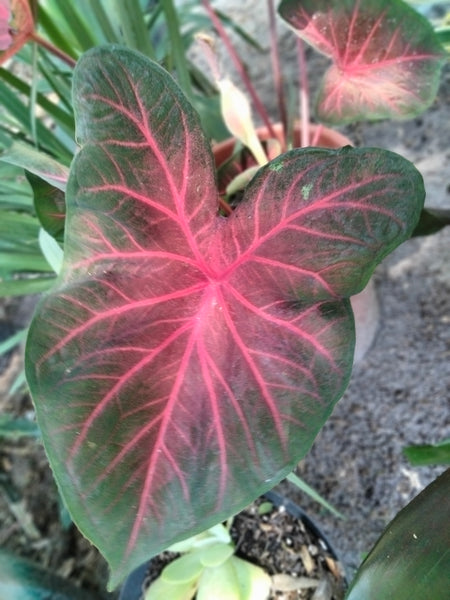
x=327, y=137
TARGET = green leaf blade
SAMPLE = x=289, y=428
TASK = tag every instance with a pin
x=411, y=560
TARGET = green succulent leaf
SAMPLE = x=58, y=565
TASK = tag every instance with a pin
x=219, y=583
x=254, y=583
x=163, y=590
x=185, y=569
x=216, y=554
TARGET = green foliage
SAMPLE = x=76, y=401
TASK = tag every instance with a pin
x=429, y=454
x=16, y=428
x=23, y=267
x=23, y=580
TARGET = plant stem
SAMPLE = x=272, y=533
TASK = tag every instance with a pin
x=239, y=66
x=35, y=37
x=33, y=95
x=225, y=207
x=304, y=94
x=276, y=70
x=317, y=135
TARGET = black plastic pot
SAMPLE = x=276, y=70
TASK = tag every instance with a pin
x=133, y=586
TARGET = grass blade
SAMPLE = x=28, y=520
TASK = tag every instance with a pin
x=304, y=487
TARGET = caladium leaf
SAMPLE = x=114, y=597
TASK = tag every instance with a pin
x=411, y=559
x=386, y=57
x=5, y=34
x=185, y=361
x=19, y=32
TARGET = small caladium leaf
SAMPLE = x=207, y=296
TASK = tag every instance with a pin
x=5, y=16
x=15, y=32
x=185, y=361
x=386, y=57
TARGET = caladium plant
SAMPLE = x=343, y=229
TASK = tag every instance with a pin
x=185, y=361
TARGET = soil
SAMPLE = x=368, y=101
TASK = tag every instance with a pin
x=398, y=395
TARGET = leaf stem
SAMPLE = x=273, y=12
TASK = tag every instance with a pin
x=35, y=37
x=33, y=95
x=276, y=71
x=223, y=205
x=303, y=94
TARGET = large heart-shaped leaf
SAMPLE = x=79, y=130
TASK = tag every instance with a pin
x=185, y=361
x=386, y=56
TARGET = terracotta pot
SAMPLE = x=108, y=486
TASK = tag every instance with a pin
x=326, y=138
x=365, y=304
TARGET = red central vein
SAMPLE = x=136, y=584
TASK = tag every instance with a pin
x=217, y=421
x=364, y=46
x=235, y=403
x=351, y=27
x=179, y=196
x=162, y=432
